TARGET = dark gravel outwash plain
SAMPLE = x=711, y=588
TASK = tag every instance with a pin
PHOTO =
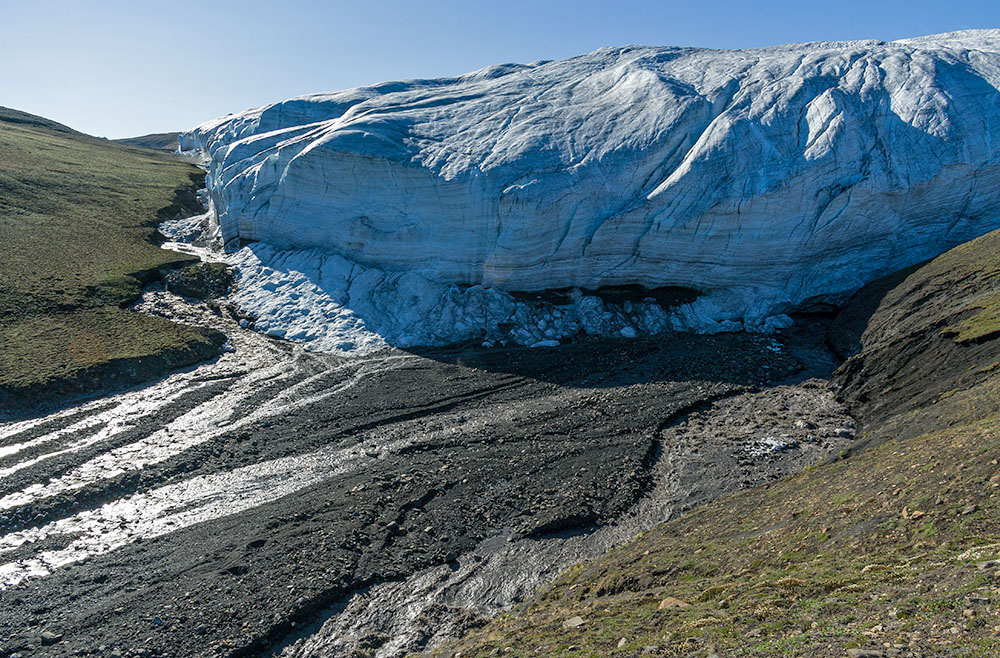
x=232, y=509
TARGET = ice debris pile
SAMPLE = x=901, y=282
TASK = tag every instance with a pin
x=407, y=212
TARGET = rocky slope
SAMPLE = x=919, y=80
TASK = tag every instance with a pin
x=759, y=179
x=891, y=550
x=929, y=333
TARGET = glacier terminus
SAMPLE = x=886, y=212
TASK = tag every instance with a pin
x=756, y=182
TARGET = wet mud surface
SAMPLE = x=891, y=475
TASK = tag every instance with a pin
x=277, y=501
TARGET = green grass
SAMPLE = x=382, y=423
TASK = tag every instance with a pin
x=964, y=284
x=77, y=218
x=984, y=322
x=159, y=141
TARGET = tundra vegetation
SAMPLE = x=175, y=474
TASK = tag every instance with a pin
x=78, y=220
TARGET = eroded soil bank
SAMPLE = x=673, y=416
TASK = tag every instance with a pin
x=280, y=501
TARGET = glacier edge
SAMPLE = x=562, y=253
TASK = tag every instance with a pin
x=407, y=213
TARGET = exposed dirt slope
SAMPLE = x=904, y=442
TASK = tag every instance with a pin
x=929, y=332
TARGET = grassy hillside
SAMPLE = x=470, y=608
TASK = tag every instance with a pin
x=893, y=550
x=78, y=218
x=928, y=334
x=159, y=141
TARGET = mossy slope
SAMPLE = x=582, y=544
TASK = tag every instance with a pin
x=890, y=551
x=78, y=220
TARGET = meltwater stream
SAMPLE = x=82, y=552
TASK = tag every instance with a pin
x=276, y=500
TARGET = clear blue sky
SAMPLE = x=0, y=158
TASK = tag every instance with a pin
x=122, y=68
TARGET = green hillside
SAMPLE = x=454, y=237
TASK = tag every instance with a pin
x=893, y=550
x=78, y=220
x=159, y=141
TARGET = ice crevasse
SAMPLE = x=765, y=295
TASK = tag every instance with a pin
x=759, y=181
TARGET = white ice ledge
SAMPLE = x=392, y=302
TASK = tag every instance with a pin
x=405, y=212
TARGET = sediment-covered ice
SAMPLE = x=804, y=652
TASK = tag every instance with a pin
x=407, y=212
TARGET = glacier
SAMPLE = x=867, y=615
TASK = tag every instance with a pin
x=423, y=212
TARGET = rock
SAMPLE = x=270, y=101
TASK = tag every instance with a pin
x=863, y=653
x=202, y=281
x=573, y=622
x=49, y=638
x=875, y=567
x=765, y=178
x=670, y=603
x=622, y=643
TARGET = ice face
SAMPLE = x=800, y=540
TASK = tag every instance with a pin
x=762, y=178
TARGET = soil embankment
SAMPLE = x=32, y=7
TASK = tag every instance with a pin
x=920, y=336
